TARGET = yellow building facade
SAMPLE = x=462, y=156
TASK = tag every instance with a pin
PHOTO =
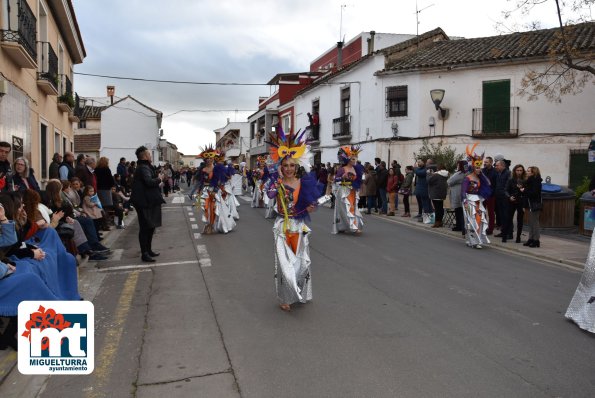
x=40, y=42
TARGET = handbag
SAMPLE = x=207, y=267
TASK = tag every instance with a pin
x=429, y=218
x=65, y=230
x=405, y=191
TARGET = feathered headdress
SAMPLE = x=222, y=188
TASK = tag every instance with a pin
x=290, y=145
x=474, y=159
x=208, y=152
x=261, y=160
x=220, y=156
x=346, y=152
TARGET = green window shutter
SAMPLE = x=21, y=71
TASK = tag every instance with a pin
x=496, y=106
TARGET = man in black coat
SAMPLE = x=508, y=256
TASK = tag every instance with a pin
x=147, y=200
x=5, y=169
x=502, y=201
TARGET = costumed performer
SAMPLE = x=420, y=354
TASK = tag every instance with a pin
x=582, y=306
x=347, y=182
x=258, y=177
x=269, y=203
x=206, y=193
x=232, y=201
x=296, y=198
x=224, y=221
x=474, y=190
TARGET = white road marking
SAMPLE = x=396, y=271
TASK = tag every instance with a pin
x=205, y=260
x=245, y=199
x=188, y=208
x=196, y=235
x=179, y=199
x=194, y=226
x=148, y=265
x=192, y=219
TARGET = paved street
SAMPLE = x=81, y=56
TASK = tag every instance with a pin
x=399, y=311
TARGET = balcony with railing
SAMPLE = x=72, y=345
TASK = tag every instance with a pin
x=19, y=33
x=495, y=122
x=47, y=78
x=66, y=99
x=342, y=127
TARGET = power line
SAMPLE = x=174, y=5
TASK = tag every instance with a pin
x=171, y=81
x=210, y=110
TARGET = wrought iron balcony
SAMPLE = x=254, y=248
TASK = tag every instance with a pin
x=47, y=77
x=66, y=101
x=65, y=85
x=495, y=122
x=20, y=36
x=342, y=127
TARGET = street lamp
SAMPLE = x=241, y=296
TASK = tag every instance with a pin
x=437, y=97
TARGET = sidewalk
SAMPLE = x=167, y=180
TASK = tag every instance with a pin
x=564, y=247
x=89, y=283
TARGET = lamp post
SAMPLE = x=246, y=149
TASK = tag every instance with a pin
x=437, y=96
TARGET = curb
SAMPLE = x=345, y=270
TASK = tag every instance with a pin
x=574, y=265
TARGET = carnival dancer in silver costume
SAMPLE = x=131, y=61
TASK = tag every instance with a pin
x=259, y=177
x=296, y=198
x=582, y=306
x=231, y=200
x=474, y=190
x=216, y=215
x=269, y=203
x=348, y=179
x=224, y=207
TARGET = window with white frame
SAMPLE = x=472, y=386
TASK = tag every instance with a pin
x=287, y=122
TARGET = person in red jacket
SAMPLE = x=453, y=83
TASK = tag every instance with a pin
x=392, y=187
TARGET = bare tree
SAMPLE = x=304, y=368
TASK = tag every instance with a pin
x=571, y=67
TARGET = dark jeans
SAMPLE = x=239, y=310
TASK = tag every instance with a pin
x=520, y=213
x=419, y=205
x=490, y=205
x=145, y=233
x=90, y=231
x=439, y=209
x=406, y=203
x=383, y=201
x=426, y=204
x=371, y=202
x=502, y=213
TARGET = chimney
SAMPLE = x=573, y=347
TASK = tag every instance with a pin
x=111, y=91
x=371, y=42
x=339, y=54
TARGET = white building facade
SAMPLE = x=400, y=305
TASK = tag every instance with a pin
x=234, y=140
x=126, y=125
x=382, y=102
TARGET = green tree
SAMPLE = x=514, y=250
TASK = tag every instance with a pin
x=441, y=154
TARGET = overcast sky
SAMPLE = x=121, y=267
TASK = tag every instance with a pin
x=239, y=41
